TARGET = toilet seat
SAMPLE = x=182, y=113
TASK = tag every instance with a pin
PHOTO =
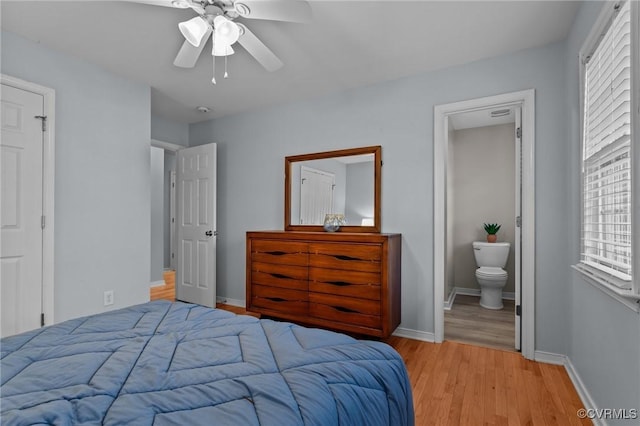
x=490, y=272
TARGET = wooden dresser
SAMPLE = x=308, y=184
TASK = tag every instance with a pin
x=343, y=281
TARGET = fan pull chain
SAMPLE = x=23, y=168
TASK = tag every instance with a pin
x=226, y=74
x=213, y=55
x=213, y=79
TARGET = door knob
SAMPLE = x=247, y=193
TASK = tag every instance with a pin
x=208, y=233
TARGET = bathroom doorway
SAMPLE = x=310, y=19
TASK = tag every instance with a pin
x=497, y=131
x=481, y=178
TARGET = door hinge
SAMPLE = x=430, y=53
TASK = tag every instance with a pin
x=518, y=221
x=519, y=132
x=42, y=222
x=42, y=319
x=518, y=310
x=43, y=118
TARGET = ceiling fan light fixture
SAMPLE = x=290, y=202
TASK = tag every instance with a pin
x=194, y=30
x=221, y=49
x=225, y=30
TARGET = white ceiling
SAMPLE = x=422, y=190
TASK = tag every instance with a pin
x=348, y=44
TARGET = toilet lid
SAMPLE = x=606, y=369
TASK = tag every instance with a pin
x=490, y=272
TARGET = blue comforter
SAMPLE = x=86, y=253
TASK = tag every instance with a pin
x=182, y=364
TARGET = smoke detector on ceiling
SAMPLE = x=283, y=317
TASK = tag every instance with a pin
x=203, y=109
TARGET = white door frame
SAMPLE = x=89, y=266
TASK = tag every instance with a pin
x=48, y=180
x=526, y=100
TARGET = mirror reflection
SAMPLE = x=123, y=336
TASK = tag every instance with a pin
x=338, y=185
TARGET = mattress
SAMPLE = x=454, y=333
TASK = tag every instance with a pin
x=182, y=364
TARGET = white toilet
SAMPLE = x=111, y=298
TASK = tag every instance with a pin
x=491, y=258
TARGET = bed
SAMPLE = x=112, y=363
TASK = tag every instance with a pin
x=182, y=364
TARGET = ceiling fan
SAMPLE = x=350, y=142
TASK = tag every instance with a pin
x=216, y=20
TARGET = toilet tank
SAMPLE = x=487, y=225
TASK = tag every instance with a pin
x=491, y=254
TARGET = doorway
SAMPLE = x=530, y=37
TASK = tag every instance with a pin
x=523, y=220
x=482, y=181
x=185, y=225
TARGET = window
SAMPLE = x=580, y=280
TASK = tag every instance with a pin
x=609, y=112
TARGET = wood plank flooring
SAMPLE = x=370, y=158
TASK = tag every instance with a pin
x=468, y=322
x=459, y=384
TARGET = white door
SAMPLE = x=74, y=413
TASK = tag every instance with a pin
x=196, y=230
x=316, y=195
x=518, y=218
x=21, y=210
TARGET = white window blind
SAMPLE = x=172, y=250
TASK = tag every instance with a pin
x=606, y=167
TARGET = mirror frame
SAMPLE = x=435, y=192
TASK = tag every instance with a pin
x=377, y=167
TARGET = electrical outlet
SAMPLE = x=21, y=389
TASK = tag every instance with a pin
x=108, y=297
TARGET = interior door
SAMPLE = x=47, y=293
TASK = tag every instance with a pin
x=21, y=210
x=316, y=195
x=518, y=230
x=196, y=229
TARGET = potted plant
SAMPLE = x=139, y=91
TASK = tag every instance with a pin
x=492, y=229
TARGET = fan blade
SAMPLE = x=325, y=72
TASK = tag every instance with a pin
x=165, y=3
x=177, y=4
x=274, y=10
x=188, y=54
x=258, y=50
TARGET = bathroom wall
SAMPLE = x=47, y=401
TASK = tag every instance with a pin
x=483, y=175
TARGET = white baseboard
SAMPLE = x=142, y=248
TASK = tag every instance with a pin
x=157, y=283
x=550, y=358
x=415, y=334
x=583, y=393
x=506, y=295
x=578, y=384
x=449, y=302
x=233, y=302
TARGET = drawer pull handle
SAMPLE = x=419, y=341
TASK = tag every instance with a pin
x=345, y=257
x=276, y=299
x=284, y=277
x=343, y=309
x=276, y=253
x=339, y=283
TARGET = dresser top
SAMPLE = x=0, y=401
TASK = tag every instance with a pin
x=323, y=236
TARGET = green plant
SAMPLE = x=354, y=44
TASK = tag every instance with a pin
x=491, y=228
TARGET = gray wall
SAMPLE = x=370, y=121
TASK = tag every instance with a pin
x=360, y=193
x=398, y=115
x=483, y=174
x=101, y=178
x=157, y=214
x=603, y=335
x=171, y=131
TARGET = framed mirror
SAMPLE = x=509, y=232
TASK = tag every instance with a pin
x=344, y=182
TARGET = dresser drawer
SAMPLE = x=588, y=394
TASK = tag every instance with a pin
x=279, y=299
x=344, y=309
x=364, y=285
x=359, y=257
x=277, y=275
x=281, y=252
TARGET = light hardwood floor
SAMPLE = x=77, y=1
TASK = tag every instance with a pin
x=468, y=322
x=457, y=384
